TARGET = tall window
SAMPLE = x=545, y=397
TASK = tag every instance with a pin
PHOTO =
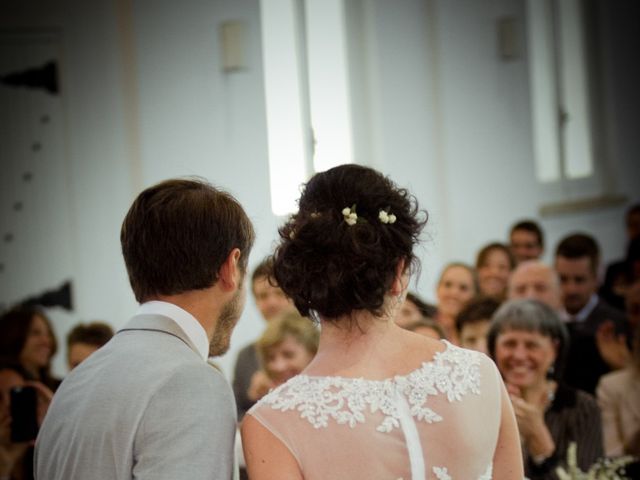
x=307, y=95
x=567, y=149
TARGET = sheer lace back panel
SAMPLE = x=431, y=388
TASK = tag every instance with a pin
x=440, y=421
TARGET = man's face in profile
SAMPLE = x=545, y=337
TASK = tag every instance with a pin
x=231, y=312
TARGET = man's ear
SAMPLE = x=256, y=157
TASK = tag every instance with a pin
x=230, y=274
x=400, y=280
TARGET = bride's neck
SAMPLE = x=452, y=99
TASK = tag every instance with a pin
x=350, y=341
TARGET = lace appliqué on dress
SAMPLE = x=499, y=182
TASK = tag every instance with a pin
x=443, y=474
x=453, y=372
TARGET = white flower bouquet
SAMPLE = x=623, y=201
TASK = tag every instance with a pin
x=603, y=469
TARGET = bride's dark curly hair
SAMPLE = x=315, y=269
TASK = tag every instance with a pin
x=325, y=264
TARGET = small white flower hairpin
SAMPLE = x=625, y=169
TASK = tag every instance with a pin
x=350, y=215
x=386, y=217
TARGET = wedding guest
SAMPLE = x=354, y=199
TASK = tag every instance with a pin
x=83, y=340
x=526, y=240
x=270, y=302
x=528, y=342
x=414, y=309
x=16, y=458
x=456, y=286
x=618, y=395
x=27, y=342
x=473, y=323
x=596, y=328
x=494, y=265
x=427, y=327
x=534, y=280
x=622, y=273
x=285, y=348
x=376, y=401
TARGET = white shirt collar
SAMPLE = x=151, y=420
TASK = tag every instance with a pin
x=582, y=315
x=187, y=322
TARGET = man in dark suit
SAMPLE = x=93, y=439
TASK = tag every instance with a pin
x=598, y=331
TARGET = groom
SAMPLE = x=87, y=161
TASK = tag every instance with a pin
x=147, y=404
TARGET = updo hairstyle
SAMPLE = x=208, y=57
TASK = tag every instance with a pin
x=333, y=267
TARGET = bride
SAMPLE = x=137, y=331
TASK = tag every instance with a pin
x=377, y=402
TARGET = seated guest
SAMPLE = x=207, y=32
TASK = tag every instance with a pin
x=622, y=273
x=528, y=342
x=83, y=340
x=27, y=342
x=534, y=280
x=414, y=309
x=456, y=286
x=286, y=347
x=427, y=327
x=619, y=397
x=473, y=323
x=594, y=326
x=526, y=241
x=494, y=265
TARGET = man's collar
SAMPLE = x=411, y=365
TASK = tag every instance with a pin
x=584, y=313
x=187, y=322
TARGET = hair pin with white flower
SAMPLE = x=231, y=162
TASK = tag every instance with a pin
x=386, y=217
x=350, y=215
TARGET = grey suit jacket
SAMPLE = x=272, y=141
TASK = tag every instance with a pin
x=144, y=406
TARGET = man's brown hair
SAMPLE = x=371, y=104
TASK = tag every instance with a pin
x=580, y=245
x=178, y=233
x=94, y=333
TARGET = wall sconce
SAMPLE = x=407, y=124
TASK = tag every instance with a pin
x=232, y=39
x=508, y=41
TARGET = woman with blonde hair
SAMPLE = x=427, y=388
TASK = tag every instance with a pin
x=286, y=347
x=456, y=287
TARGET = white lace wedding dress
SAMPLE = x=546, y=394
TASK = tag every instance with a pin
x=440, y=421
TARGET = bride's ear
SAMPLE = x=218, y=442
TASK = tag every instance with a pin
x=400, y=279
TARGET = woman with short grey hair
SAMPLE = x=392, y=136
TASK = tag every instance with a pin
x=529, y=344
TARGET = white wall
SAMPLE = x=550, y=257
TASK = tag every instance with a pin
x=144, y=98
x=195, y=119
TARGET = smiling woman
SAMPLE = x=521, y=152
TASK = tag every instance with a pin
x=27, y=342
x=494, y=265
x=287, y=346
x=457, y=285
x=529, y=343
